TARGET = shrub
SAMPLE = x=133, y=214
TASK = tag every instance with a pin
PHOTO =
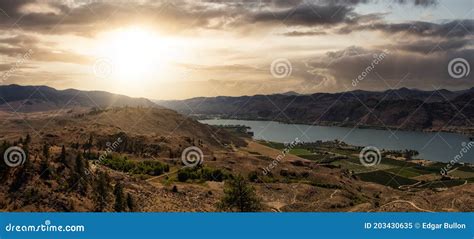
x=253, y=176
x=202, y=173
x=153, y=168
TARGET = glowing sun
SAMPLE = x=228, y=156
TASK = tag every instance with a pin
x=135, y=55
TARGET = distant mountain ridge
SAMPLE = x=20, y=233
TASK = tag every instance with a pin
x=403, y=108
x=44, y=98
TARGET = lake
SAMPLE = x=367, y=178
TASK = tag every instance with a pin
x=442, y=147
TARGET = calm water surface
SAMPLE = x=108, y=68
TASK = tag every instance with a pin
x=442, y=147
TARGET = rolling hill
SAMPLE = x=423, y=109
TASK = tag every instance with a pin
x=43, y=98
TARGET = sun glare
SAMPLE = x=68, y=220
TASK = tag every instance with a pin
x=136, y=55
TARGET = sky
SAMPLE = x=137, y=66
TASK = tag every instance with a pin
x=180, y=49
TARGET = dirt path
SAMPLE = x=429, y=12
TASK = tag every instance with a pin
x=334, y=193
x=409, y=202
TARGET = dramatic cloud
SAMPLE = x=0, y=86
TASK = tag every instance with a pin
x=381, y=69
x=19, y=45
x=88, y=17
x=304, y=33
x=233, y=43
x=431, y=46
x=308, y=15
x=458, y=28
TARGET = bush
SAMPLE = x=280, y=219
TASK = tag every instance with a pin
x=183, y=176
x=153, y=168
x=203, y=174
x=253, y=176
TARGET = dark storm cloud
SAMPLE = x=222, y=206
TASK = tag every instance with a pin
x=424, y=3
x=430, y=46
x=95, y=16
x=308, y=15
x=455, y=28
x=87, y=17
x=11, y=7
x=417, y=70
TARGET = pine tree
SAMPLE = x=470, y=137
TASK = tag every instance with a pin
x=130, y=203
x=45, y=169
x=78, y=177
x=24, y=173
x=27, y=139
x=88, y=146
x=119, y=205
x=46, y=151
x=239, y=196
x=80, y=166
x=102, y=190
x=62, y=156
x=4, y=169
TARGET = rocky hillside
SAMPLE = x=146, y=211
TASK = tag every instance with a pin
x=74, y=161
x=129, y=159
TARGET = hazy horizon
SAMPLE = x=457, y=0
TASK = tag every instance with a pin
x=275, y=93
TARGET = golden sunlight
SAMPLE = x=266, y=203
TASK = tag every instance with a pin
x=136, y=56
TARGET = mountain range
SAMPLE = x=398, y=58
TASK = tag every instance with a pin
x=403, y=108
x=408, y=109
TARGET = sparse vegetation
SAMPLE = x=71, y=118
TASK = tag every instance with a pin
x=202, y=174
x=57, y=176
x=149, y=167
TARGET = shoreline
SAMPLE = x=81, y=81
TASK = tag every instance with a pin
x=418, y=157
x=342, y=125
